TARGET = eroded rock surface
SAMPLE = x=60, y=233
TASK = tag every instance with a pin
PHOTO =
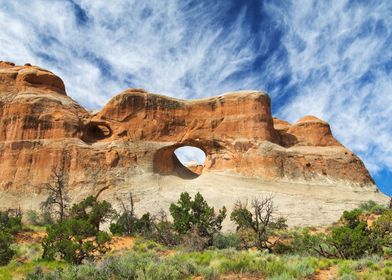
x=133, y=138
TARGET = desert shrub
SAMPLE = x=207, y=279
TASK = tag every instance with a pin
x=303, y=268
x=6, y=252
x=11, y=223
x=127, y=266
x=351, y=218
x=350, y=242
x=156, y=227
x=28, y=251
x=93, y=211
x=145, y=245
x=355, y=239
x=163, y=231
x=130, y=225
x=197, y=215
x=74, y=240
x=283, y=248
x=39, y=218
x=37, y=274
x=381, y=234
x=382, y=272
x=372, y=207
x=194, y=241
x=78, y=237
x=351, y=239
x=248, y=238
x=210, y=264
x=237, y=265
x=225, y=241
x=258, y=225
x=346, y=271
x=378, y=209
x=304, y=243
x=47, y=218
x=33, y=218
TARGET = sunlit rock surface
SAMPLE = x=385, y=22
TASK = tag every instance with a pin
x=129, y=146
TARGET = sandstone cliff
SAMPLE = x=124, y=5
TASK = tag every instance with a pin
x=130, y=143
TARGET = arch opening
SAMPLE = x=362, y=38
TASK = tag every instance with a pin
x=183, y=160
x=96, y=131
x=191, y=158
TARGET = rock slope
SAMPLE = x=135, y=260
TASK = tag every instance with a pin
x=129, y=146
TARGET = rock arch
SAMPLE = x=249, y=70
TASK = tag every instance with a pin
x=137, y=129
x=94, y=131
x=167, y=163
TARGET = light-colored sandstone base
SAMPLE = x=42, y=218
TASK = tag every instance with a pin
x=301, y=204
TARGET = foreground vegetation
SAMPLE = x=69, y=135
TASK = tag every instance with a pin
x=150, y=260
x=190, y=243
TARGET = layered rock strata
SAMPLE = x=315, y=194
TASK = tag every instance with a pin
x=136, y=133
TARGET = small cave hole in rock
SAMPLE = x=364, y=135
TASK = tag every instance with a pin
x=95, y=132
x=192, y=158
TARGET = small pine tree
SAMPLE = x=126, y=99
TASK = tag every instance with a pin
x=93, y=211
x=190, y=215
x=6, y=253
x=78, y=237
x=74, y=240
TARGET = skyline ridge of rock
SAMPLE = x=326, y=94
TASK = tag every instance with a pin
x=135, y=135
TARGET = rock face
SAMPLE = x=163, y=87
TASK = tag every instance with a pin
x=133, y=139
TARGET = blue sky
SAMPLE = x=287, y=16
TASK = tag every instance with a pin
x=332, y=59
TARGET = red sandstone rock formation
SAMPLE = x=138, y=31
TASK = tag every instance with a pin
x=41, y=128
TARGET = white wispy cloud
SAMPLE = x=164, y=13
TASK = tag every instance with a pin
x=166, y=47
x=327, y=58
x=337, y=57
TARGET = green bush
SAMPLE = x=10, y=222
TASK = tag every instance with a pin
x=37, y=274
x=372, y=207
x=39, y=219
x=33, y=218
x=347, y=272
x=163, y=231
x=196, y=214
x=78, y=237
x=381, y=235
x=355, y=239
x=93, y=211
x=352, y=239
x=145, y=245
x=127, y=266
x=129, y=224
x=28, y=251
x=352, y=217
x=351, y=243
x=47, y=218
x=74, y=241
x=6, y=253
x=10, y=223
x=304, y=243
x=211, y=264
x=258, y=225
x=225, y=241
